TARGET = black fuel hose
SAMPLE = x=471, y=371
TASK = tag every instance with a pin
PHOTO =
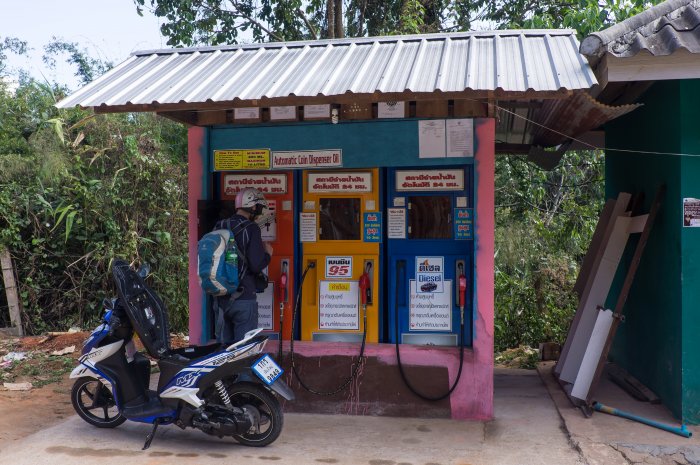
x=400, y=266
x=356, y=366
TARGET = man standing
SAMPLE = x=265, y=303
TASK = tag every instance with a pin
x=238, y=312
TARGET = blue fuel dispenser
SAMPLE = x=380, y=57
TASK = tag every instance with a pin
x=430, y=250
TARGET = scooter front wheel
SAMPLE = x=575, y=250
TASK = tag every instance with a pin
x=94, y=403
x=263, y=407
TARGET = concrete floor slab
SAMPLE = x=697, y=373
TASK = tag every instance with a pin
x=610, y=440
x=526, y=430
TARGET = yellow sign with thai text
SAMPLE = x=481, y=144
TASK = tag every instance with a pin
x=243, y=159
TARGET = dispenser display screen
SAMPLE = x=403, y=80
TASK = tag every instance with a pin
x=340, y=219
x=430, y=217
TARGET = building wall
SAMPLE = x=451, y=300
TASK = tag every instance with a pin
x=649, y=343
x=690, y=249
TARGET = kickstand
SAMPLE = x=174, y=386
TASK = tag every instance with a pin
x=152, y=434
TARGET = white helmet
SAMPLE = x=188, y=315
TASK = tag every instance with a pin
x=252, y=201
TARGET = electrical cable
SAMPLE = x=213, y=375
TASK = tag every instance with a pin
x=356, y=366
x=399, y=266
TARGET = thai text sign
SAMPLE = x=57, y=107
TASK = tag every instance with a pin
x=430, y=274
x=307, y=159
x=340, y=182
x=244, y=159
x=372, y=227
x=265, y=183
x=430, y=180
x=430, y=312
x=338, y=305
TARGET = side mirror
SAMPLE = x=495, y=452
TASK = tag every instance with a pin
x=144, y=270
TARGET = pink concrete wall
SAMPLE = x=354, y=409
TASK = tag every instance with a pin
x=195, y=176
x=485, y=166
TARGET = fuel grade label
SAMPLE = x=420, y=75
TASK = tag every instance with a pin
x=339, y=305
x=430, y=311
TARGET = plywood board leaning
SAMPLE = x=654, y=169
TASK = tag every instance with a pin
x=596, y=295
x=598, y=248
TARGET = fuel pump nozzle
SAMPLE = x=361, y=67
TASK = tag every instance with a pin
x=283, y=296
x=462, y=291
x=365, y=292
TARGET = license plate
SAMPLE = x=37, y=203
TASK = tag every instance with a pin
x=267, y=370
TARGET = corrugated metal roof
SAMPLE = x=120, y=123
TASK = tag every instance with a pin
x=513, y=62
x=661, y=30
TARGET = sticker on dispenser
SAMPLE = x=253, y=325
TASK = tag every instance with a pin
x=339, y=305
x=463, y=224
x=338, y=267
x=372, y=227
x=268, y=229
x=307, y=227
x=430, y=275
x=265, y=306
x=396, y=223
x=430, y=311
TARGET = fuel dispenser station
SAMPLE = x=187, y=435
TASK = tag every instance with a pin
x=430, y=247
x=274, y=305
x=375, y=257
x=340, y=234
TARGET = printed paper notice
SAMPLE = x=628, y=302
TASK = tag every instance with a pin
x=460, y=138
x=396, y=223
x=268, y=230
x=338, y=305
x=431, y=138
x=391, y=110
x=691, y=213
x=307, y=227
x=431, y=311
x=265, y=305
x=283, y=113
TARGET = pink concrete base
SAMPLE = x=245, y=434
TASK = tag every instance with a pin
x=467, y=401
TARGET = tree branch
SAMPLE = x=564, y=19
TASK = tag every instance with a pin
x=254, y=21
x=308, y=23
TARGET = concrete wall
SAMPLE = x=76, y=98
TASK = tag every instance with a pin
x=657, y=341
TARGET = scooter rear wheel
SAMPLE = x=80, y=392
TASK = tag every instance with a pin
x=265, y=408
x=94, y=403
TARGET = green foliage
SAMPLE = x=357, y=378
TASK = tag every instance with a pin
x=87, y=68
x=84, y=190
x=544, y=223
x=10, y=45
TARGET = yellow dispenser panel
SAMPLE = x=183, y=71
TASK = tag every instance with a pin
x=336, y=207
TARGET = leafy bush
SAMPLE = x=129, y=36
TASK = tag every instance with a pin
x=544, y=224
x=85, y=190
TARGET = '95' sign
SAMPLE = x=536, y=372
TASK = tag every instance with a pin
x=338, y=267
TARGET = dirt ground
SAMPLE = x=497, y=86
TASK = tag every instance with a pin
x=48, y=401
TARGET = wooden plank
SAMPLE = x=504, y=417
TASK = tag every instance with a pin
x=597, y=294
x=627, y=286
x=432, y=109
x=630, y=384
x=621, y=204
x=584, y=273
x=8, y=277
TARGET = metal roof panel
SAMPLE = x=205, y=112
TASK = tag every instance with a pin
x=513, y=61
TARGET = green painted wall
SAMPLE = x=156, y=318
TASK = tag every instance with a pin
x=690, y=247
x=648, y=344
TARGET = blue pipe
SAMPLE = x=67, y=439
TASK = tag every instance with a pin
x=682, y=431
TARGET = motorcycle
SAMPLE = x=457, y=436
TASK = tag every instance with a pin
x=222, y=391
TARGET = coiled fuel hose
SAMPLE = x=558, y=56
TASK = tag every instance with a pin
x=356, y=366
x=400, y=266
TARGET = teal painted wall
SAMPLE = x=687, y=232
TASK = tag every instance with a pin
x=365, y=144
x=690, y=247
x=649, y=344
